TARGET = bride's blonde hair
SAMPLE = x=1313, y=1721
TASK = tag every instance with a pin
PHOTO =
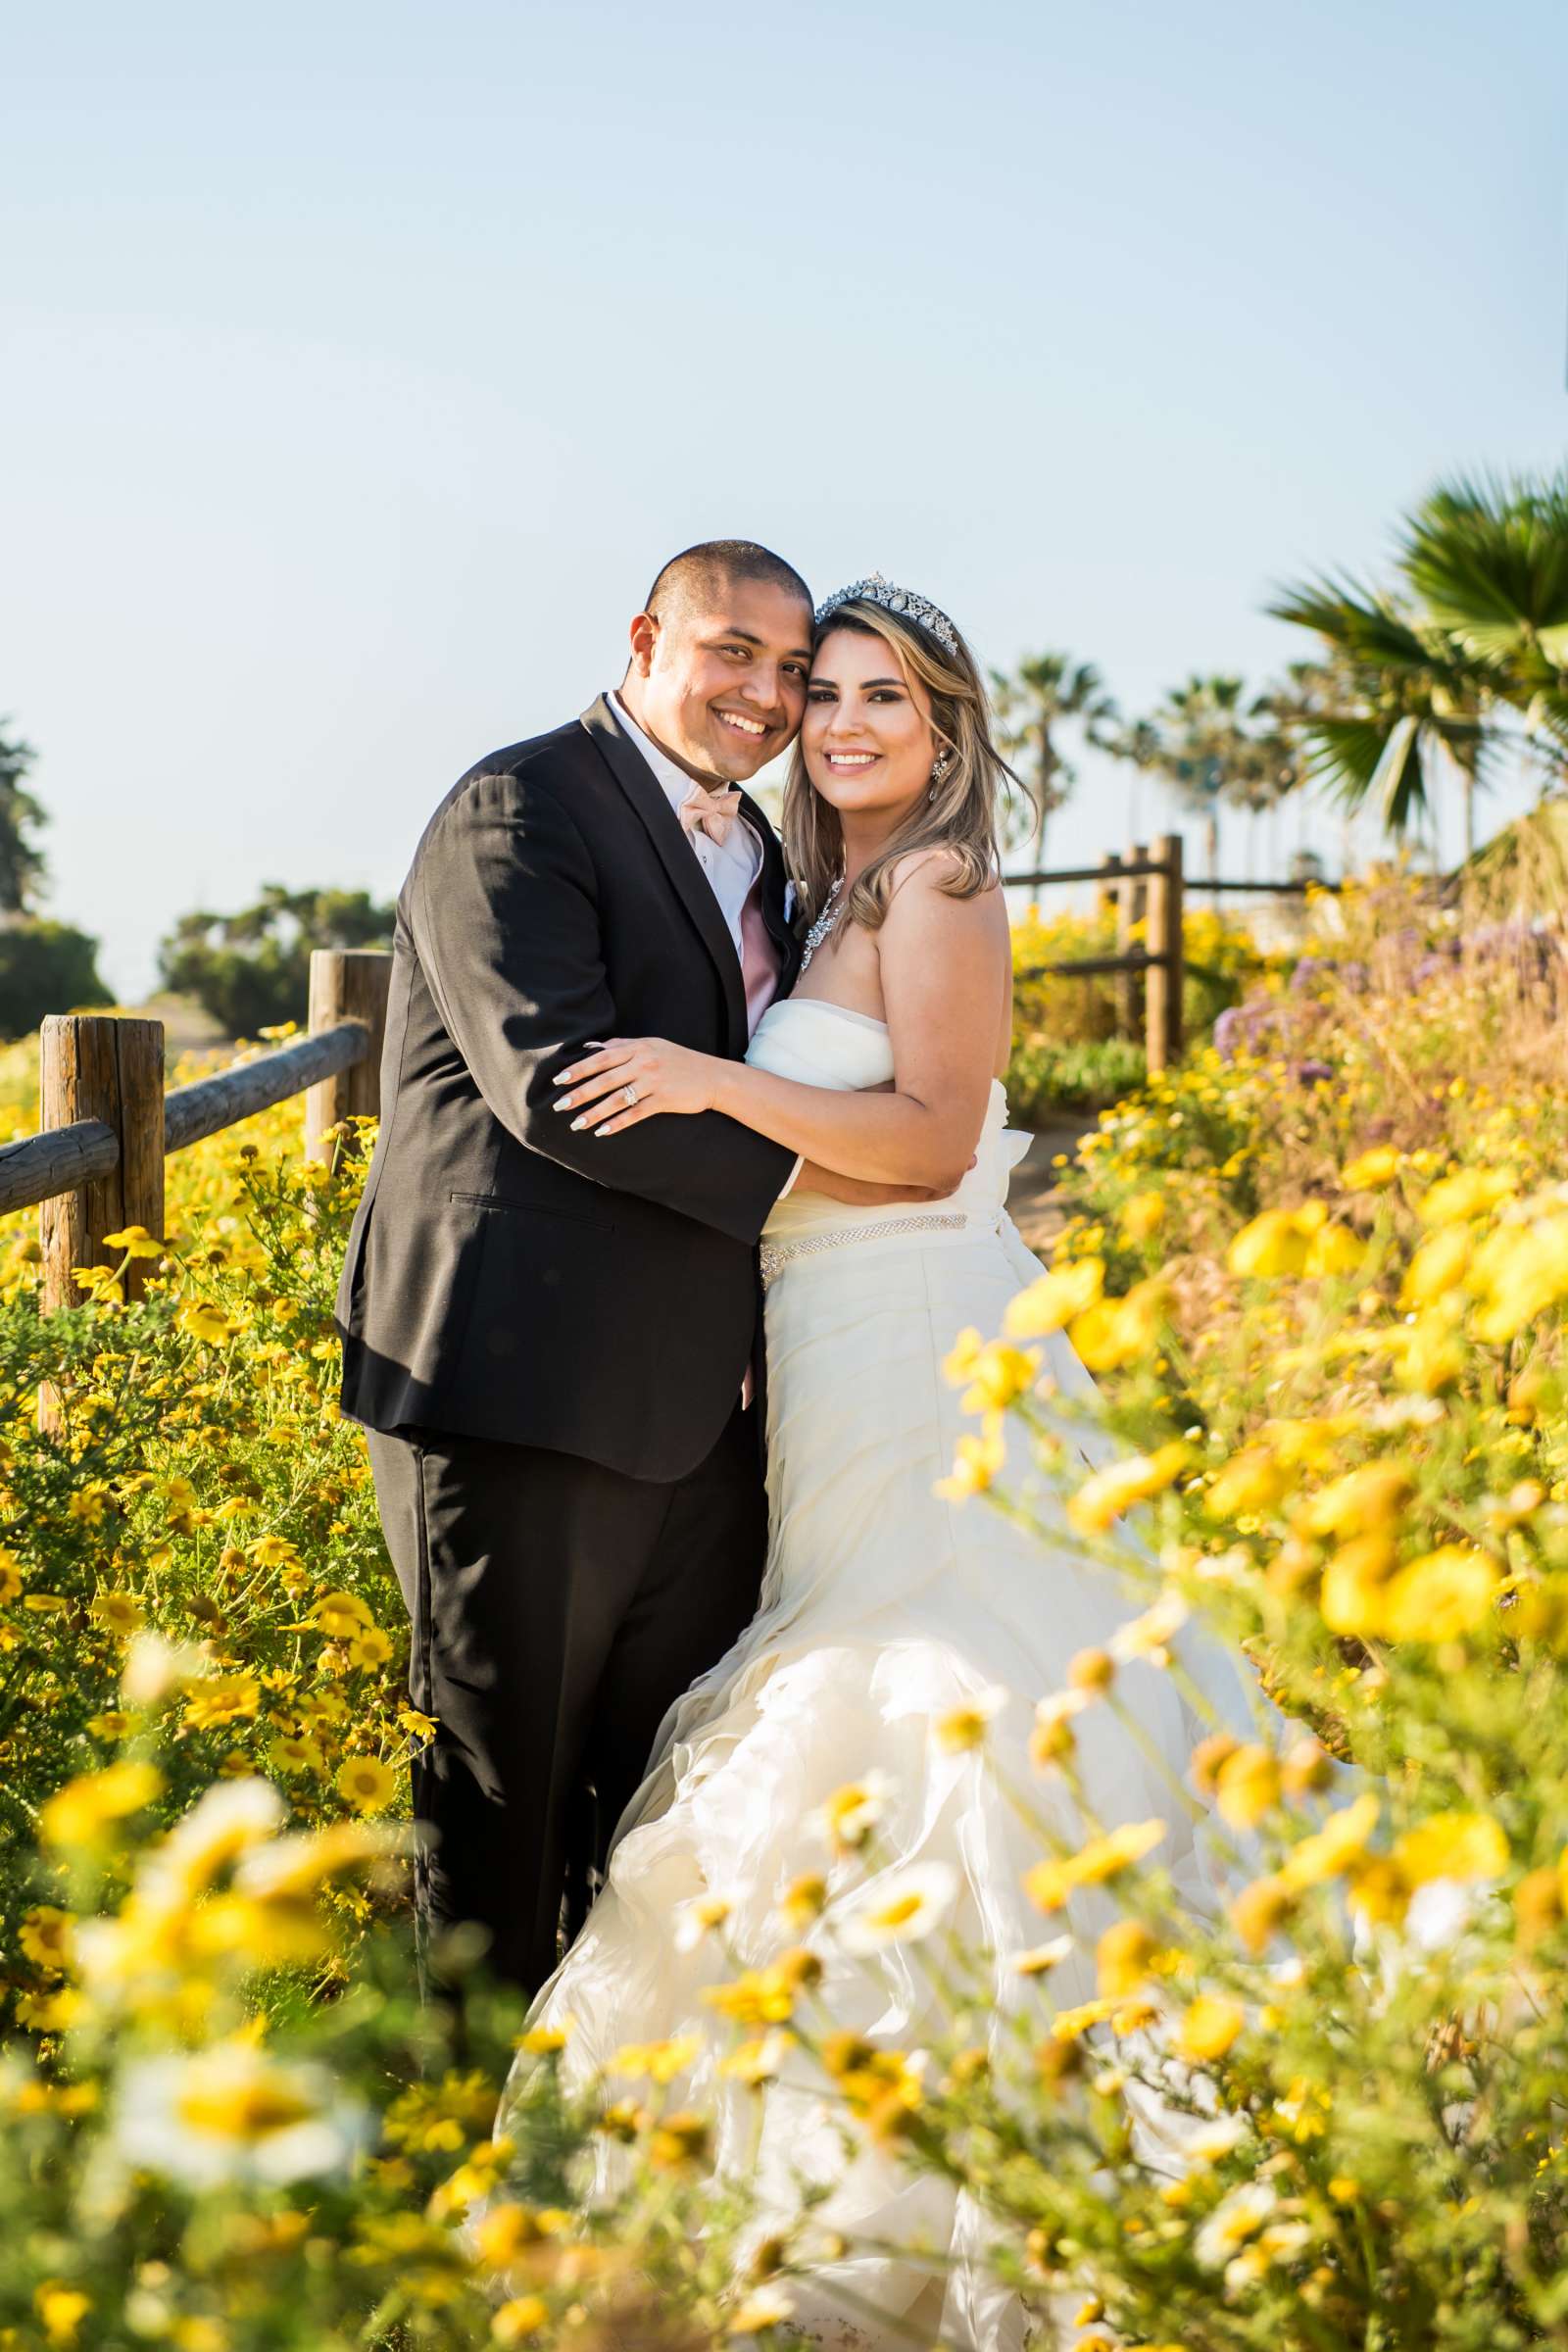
x=960, y=813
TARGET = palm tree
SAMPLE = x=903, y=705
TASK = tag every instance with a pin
x=1305, y=692
x=1269, y=771
x=1205, y=752
x=1045, y=690
x=1137, y=744
x=1400, y=705
x=1488, y=556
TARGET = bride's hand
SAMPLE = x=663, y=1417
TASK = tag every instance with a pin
x=633, y=1078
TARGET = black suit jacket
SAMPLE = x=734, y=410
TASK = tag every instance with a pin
x=507, y=1278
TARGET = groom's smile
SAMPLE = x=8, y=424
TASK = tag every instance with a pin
x=719, y=678
x=754, y=727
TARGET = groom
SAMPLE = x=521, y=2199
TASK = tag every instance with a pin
x=547, y=1334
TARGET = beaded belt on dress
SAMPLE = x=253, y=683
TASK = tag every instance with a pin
x=776, y=1255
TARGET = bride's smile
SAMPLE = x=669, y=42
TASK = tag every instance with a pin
x=867, y=739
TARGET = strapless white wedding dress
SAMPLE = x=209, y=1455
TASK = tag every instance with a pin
x=883, y=1607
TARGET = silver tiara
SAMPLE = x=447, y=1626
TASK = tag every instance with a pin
x=878, y=591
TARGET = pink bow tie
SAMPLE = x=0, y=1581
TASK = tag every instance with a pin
x=709, y=813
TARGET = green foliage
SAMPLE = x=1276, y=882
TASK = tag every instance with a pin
x=1320, y=2111
x=250, y=970
x=1466, y=653
x=1067, y=1053
x=1211, y=745
x=23, y=864
x=204, y=1493
x=1030, y=706
x=1081, y=1074
x=44, y=967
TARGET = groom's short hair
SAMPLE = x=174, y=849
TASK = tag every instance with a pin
x=699, y=576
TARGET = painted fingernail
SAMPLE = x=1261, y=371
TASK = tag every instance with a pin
x=563, y=1105
x=566, y=1077
x=576, y=1123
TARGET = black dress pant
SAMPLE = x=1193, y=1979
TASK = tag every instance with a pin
x=557, y=1609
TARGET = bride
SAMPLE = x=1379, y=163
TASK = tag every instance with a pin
x=885, y=1606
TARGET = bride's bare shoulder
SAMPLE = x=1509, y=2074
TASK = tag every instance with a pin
x=930, y=880
x=936, y=867
x=931, y=866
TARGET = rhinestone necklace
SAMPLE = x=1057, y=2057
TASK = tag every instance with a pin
x=823, y=924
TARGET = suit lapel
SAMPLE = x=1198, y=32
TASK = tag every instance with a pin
x=641, y=787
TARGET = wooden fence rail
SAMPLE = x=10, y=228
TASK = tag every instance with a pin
x=1146, y=888
x=63, y=1159
x=107, y=1126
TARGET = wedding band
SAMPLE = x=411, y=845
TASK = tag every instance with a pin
x=628, y=1095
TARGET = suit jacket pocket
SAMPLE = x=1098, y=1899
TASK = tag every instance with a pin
x=507, y=1204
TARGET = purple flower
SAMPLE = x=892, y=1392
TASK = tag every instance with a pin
x=1228, y=1030
x=1499, y=939
x=1240, y=1027
x=1313, y=1073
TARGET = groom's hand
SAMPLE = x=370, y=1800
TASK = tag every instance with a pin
x=812, y=1179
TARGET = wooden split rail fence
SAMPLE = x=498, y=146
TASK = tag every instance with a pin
x=1145, y=888
x=107, y=1125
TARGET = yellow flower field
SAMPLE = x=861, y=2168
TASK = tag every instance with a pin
x=1321, y=1274
x=199, y=1560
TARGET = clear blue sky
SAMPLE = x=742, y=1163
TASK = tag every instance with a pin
x=361, y=363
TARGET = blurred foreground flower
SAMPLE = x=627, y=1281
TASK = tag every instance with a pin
x=233, y=2113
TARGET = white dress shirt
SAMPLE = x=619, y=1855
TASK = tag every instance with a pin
x=731, y=866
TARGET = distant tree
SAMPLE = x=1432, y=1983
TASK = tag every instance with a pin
x=1031, y=705
x=250, y=970
x=44, y=966
x=1136, y=745
x=1204, y=754
x=23, y=864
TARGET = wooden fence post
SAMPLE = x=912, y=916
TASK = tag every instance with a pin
x=1132, y=905
x=347, y=984
x=1107, y=894
x=1162, y=995
x=95, y=1066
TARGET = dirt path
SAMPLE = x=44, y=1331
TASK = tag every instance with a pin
x=1035, y=1198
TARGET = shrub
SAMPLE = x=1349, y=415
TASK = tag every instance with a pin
x=250, y=970
x=44, y=967
x=1044, y=1079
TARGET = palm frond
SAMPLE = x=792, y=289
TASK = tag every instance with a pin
x=1344, y=756
x=1400, y=782
x=1355, y=623
x=1488, y=556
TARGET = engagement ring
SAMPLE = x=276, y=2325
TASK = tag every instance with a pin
x=628, y=1095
